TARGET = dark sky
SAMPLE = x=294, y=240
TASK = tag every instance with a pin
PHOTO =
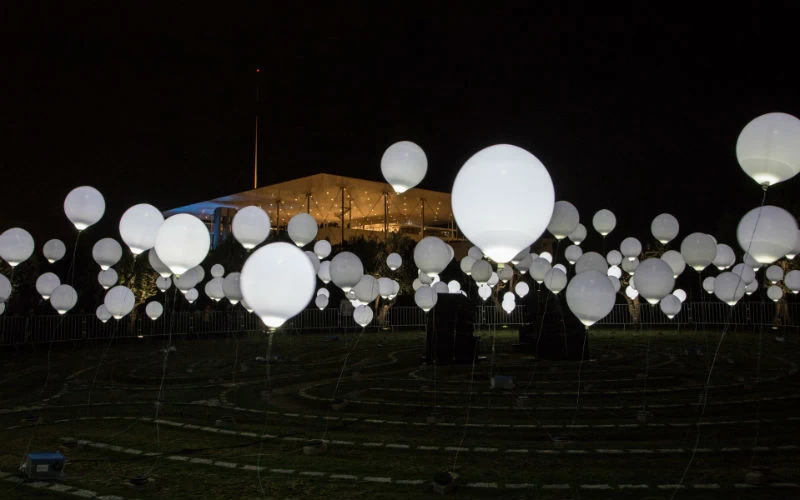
x=635, y=111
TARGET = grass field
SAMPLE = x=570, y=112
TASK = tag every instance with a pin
x=566, y=430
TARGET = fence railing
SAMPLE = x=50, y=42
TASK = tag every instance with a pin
x=70, y=327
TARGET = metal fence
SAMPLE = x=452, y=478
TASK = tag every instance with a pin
x=55, y=328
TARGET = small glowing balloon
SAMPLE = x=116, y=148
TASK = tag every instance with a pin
x=521, y=255
x=16, y=245
x=675, y=261
x=546, y=256
x=192, y=294
x=312, y=257
x=454, y=286
x=524, y=265
x=654, y=279
x=629, y=266
x=416, y=284
x=573, y=253
x=729, y=288
x=2, y=308
x=680, y=293
x=751, y=287
x=768, y=148
x=324, y=291
x=774, y=274
x=322, y=249
x=796, y=250
x=505, y=274
x=615, y=283
x=604, y=221
x=106, y=252
x=154, y=310
x=394, y=261
x=481, y=272
x=578, y=235
x=217, y=271
x=363, y=315
x=751, y=262
x=767, y=233
x=562, y=267
x=708, y=285
x=278, y=282
x=630, y=248
x=54, y=250
x=346, y=270
x=614, y=257
x=187, y=280
x=321, y=301
x=508, y=306
x=302, y=229
x=404, y=165
x=775, y=293
x=426, y=297
x=522, y=289
x=119, y=301
x=214, y=289
x=182, y=242
x=564, y=220
x=631, y=292
x=84, y=206
x=590, y=296
x=441, y=287
x=475, y=253
x=792, y=281
x=431, y=255
x=107, y=278
x=744, y=272
x=45, y=284
x=539, y=269
x=232, y=289
x=102, y=313
x=324, y=271
x=251, y=226
x=139, y=226
x=664, y=228
x=524, y=205
x=670, y=305
x=163, y=283
x=493, y=279
x=367, y=289
x=555, y=280
x=591, y=261
x=484, y=292
x=63, y=298
x=614, y=271
x=698, y=250
x=725, y=257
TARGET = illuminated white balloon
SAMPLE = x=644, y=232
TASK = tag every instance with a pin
x=767, y=233
x=16, y=246
x=751, y=262
x=251, y=226
x=426, y=297
x=729, y=288
x=708, y=284
x=139, y=226
x=630, y=248
x=792, y=281
x=416, y=284
x=163, y=283
x=5, y=288
x=481, y=272
x=312, y=257
x=119, y=301
x=154, y=310
x=751, y=287
x=654, y=279
x=521, y=255
x=84, y=206
x=564, y=220
x=680, y=293
x=324, y=271
x=615, y=283
x=493, y=279
x=590, y=296
x=604, y=221
x=573, y=253
x=63, y=298
x=346, y=270
x=614, y=271
x=745, y=272
x=453, y=286
x=367, y=289
x=505, y=274
x=555, y=280
x=322, y=249
x=231, y=287
x=725, y=257
x=45, y=284
x=106, y=252
x=302, y=229
x=629, y=266
x=675, y=261
x=475, y=253
x=394, y=261
x=102, y=313
x=363, y=315
x=546, y=256
x=404, y=165
x=214, y=289
x=441, y=287
x=698, y=250
x=321, y=301
x=278, y=282
x=192, y=294
x=524, y=265
x=107, y=278
x=631, y=292
x=217, y=271
x=54, y=250
x=670, y=305
x=539, y=269
x=182, y=242
x=774, y=274
x=508, y=306
x=524, y=205
x=591, y=261
x=796, y=250
x=484, y=292
x=562, y=267
x=664, y=228
x=578, y=235
x=614, y=257
x=775, y=293
x=768, y=148
x=522, y=289
x=431, y=255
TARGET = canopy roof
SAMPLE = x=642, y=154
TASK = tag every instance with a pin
x=321, y=195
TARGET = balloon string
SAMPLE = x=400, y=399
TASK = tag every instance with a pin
x=714, y=359
x=339, y=380
x=469, y=407
x=72, y=265
x=97, y=370
x=580, y=367
x=268, y=384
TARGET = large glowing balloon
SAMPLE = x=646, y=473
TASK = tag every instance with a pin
x=698, y=250
x=555, y=280
x=505, y=274
x=675, y=261
x=63, y=298
x=431, y=255
x=106, y=252
x=367, y=289
x=564, y=220
x=629, y=266
x=591, y=261
x=774, y=274
x=154, y=310
x=214, y=289
x=604, y=221
x=84, y=206
x=767, y=233
x=231, y=287
x=521, y=255
x=45, y=284
x=501, y=222
x=394, y=261
x=386, y=287
x=302, y=229
x=729, y=288
x=590, y=296
x=363, y=315
x=481, y=272
x=346, y=270
x=139, y=226
x=630, y=248
x=768, y=148
x=664, y=228
x=107, y=278
x=182, y=242
x=278, y=282
x=670, y=305
x=16, y=245
x=524, y=265
x=322, y=249
x=578, y=235
x=54, y=250
x=522, y=289
x=792, y=281
x=163, y=283
x=426, y=297
x=654, y=279
x=102, y=313
x=725, y=257
x=119, y=301
x=539, y=269
x=251, y=226
x=573, y=253
x=404, y=165
x=744, y=272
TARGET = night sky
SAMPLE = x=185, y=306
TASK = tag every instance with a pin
x=637, y=112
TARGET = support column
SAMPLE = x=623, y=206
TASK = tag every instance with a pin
x=308, y=203
x=385, y=216
x=423, y=217
x=342, y=221
x=278, y=217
